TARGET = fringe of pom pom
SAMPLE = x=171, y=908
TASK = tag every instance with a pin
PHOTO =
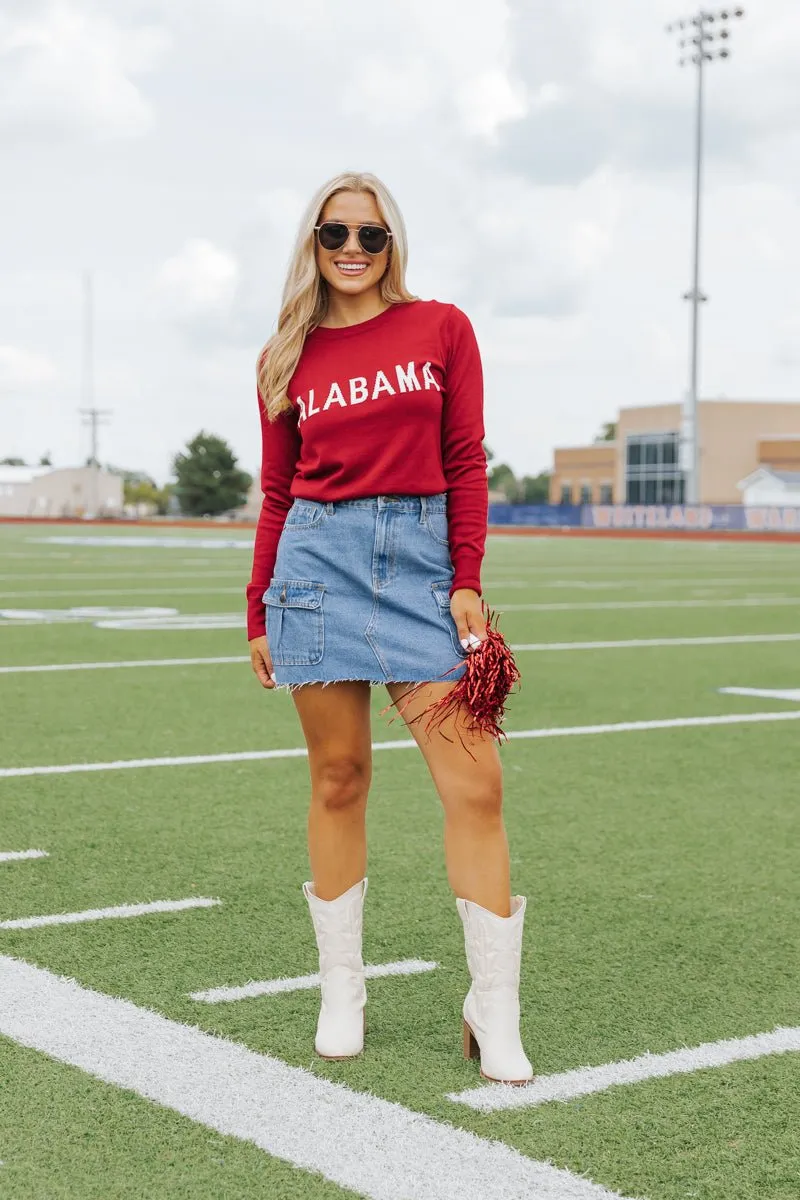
x=481, y=692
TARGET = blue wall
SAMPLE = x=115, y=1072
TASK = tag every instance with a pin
x=646, y=516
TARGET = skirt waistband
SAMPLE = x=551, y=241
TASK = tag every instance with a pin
x=408, y=504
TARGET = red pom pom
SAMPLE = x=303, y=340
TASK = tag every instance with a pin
x=482, y=690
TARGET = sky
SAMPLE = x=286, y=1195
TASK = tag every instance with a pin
x=541, y=154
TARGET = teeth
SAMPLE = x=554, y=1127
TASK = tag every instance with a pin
x=353, y=268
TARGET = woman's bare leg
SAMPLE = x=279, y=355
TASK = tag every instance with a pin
x=336, y=724
x=471, y=791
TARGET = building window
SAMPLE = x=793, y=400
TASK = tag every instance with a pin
x=606, y=493
x=566, y=493
x=652, y=473
x=586, y=493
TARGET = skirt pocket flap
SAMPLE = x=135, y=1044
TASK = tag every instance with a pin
x=294, y=593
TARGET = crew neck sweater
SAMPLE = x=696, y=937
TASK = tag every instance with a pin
x=389, y=406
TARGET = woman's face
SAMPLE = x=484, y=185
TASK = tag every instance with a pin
x=338, y=266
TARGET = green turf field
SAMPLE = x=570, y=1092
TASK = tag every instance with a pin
x=662, y=866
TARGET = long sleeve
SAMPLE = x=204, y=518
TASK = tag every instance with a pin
x=463, y=456
x=280, y=443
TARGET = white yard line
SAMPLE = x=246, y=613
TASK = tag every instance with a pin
x=17, y=855
x=44, y=594
x=102, y=914
x=112, y=574
x=136, y=662
x=742, y=639
x=568, y=1085
x=191, y=760
x=272, y=987
x=764, y=693
x=375, y=1148
x=619, y=605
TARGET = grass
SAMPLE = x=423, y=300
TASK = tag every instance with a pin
x=661, y=869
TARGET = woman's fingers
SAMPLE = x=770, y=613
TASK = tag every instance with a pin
x=262, y=662
x=469, y=619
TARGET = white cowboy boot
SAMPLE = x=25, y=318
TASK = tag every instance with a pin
x=337, y=925
x=491, y=1009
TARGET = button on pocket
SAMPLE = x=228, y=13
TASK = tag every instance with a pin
x=295, y=622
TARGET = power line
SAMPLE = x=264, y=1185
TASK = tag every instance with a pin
x=701, y=44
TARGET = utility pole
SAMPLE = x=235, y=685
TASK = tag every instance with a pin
x=703, y=31
x=92, y=416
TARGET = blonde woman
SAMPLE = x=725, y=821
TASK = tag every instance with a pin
x=366, y=571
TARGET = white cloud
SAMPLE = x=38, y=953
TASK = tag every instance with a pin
x=63, y=68
x=23, y=369
x=201, y=278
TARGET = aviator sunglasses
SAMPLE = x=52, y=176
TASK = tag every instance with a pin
x=371, y=238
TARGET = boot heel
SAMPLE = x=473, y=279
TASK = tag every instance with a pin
x=471, y=1047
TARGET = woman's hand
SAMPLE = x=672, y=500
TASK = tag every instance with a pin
x=465, y=605
x=262, y=662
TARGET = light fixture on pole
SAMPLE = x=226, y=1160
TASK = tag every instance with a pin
x=703, y=38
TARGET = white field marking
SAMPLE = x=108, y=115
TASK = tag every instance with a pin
x=630, y=644
x=596, y=605
x=184, y=621
x=112, y=573
x=568, y=1085
x=15, y=855
x=102, y=914
x=272, y=987
x=143, y=662
x=372, y=1147
x=41, y=594
x=52, y=616
x=766, y=693
x=194, y=760
x=734, y=639
x=163, y=543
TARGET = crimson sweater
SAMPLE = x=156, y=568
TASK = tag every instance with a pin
x=391, y=405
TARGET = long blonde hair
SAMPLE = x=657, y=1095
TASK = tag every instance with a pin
x=304, y=303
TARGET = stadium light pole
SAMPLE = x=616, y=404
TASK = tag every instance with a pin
x=699, y=44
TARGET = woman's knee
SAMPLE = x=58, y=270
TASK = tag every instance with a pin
x=341, y=784
x=476, y=796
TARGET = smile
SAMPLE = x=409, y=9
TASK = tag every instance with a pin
x=347, y=268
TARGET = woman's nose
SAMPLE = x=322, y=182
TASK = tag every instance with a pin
x=352, y=240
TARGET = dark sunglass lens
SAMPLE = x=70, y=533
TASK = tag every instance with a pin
x=332, y=235
x=373, y=238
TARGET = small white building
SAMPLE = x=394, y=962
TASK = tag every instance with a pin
x=59, y=492
x=767, y=486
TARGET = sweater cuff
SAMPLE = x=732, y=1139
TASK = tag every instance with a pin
x=256, y=613
x=466, y=577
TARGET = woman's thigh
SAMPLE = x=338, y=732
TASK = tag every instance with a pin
x=335, y=718
x=462, y=760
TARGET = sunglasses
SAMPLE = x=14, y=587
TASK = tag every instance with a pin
x=371, y=238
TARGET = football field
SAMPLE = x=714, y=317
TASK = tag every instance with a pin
x=157, y=990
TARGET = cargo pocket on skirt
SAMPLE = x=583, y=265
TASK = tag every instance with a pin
x=441, y=595
x=295, y=623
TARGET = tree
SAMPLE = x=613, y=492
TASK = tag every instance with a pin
x=209, y=481
x=535, y=489
x=46, y=460
x=13, y=462
x=608, y=432
x=139, y=489
x=502, y=479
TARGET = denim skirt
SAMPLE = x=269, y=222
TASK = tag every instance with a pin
x=360, y=590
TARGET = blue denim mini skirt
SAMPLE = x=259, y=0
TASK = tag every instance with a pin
x=360, y=590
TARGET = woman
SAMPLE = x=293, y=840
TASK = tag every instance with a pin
x=367, y=570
